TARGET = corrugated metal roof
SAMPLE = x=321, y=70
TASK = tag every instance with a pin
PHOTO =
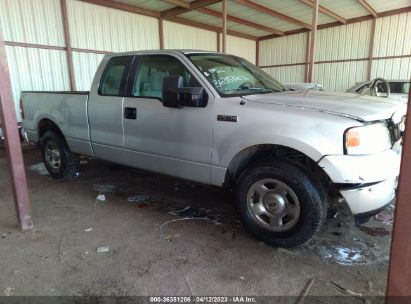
x=243, y=12
x=217, y=22
x=388, y=5
x=347, y=9
x=296, y=9
x=153, y=5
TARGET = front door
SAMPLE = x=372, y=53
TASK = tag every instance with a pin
x=173, y=141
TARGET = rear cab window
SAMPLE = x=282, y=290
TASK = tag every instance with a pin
x=115, y=76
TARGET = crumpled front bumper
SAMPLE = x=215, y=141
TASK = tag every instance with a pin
x=364, y=199
x=367, y=182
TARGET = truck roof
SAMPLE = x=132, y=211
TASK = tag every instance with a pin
x=168, y=51
x=184, y=51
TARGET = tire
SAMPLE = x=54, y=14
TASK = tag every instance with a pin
x=290, y=212
x=59, y=161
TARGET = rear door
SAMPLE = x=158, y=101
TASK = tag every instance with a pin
x=173, y=141
x=106, y=108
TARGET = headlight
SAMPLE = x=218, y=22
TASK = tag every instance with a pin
x=367, y=139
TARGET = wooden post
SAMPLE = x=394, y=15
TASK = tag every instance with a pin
x=12, y=141
x=161, y=33
x=67, y=40
x=371, y=50
x=218, y=42
x=399, y=275
x=224, y=26
x=257, y=52
x=312, y=41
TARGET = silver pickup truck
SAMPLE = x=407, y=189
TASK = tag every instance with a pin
x=219, y=120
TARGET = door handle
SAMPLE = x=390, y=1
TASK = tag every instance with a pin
x=130, y=113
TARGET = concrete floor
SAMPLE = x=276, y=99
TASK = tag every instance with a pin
x=189, y=257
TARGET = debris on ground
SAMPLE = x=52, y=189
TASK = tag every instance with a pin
x=8, y=291
x=374, y=231
x=138, y=199
x=101, y=198
x=104, y=188
x=177, y=212
x=103, y=249
x=88, y=229
x=40, y=168
x=177, y=220
x=385, y=218
x=84, y=254
x=190, y=212
x=318, y=289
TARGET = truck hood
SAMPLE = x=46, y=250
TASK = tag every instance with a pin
x=361, y=108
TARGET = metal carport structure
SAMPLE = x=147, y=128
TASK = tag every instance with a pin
x=260, y=23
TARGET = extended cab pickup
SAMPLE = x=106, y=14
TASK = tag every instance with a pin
x=219, y=120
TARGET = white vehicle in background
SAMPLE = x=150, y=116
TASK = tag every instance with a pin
x=302, y=86
x=394, y=89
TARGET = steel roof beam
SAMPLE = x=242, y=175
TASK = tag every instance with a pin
x=241, y=21
x=124, y=7
x=272, y=13
x=179, y=3
x=210, y=27
x=368, y=8
x=180, y=10
x=325, y=11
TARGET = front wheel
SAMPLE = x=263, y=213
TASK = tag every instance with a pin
x=279, y=203
x=59, y=161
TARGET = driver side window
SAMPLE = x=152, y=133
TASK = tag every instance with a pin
x=151, y=71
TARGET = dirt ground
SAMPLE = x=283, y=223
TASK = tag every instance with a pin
x=204, y=251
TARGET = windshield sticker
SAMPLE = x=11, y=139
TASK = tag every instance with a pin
x=228, y=79
x=213, y=71
x=216, y=70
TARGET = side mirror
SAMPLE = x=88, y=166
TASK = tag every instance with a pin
x=171, y=94
x=176, y=96
x=193, y=97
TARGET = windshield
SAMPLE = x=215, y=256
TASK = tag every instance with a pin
x=234, y=76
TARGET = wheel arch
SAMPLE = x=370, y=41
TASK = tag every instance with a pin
x=46, y=124
x=252, y=154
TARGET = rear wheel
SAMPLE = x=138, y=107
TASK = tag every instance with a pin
x=57, y=158
x=279, y=203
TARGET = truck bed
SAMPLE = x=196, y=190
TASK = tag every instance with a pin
x=66, y=109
